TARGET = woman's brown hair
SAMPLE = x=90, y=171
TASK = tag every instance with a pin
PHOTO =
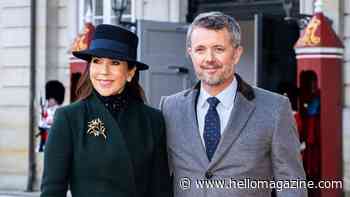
x=85, y=88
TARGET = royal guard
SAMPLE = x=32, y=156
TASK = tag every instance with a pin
x=54, y=98
x=320, y=56
x=310, y=109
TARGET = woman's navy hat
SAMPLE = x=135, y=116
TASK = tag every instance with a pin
x=113, y=42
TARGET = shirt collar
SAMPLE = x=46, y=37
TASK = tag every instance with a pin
x=226, y=97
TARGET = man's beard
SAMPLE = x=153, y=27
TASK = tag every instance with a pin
x=216, y=79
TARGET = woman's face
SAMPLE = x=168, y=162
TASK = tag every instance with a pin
x=108, y=76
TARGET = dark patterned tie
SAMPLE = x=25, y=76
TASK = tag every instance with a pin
x=211, y=132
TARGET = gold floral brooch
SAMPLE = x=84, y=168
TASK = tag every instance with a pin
x=96, y=128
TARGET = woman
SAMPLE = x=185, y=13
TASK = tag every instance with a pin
x=109, y=143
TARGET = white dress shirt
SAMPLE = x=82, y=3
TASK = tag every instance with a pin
x=224, y=108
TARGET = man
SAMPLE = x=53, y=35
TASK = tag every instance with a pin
x=224, y=135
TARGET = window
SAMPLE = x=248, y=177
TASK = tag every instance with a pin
x=97, y=12
x=108, y=11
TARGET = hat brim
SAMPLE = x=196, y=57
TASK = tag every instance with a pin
x=89, y=53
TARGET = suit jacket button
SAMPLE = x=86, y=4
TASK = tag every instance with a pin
x=208, y=175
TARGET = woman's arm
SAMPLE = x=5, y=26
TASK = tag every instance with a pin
x=160, y=185
x=58, y=157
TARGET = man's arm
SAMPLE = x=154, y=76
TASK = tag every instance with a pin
x=163, y=107
x=286, y=161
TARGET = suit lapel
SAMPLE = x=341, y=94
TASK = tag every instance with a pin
x=244, y=107
x=240, y=114
x=192, y=135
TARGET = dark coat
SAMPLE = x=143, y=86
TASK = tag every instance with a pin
x=130, y=162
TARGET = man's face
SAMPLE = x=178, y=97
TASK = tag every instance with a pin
x=213, y=55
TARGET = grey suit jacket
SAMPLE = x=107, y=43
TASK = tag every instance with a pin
x=260, y=142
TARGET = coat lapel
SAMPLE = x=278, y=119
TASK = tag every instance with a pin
x=192, y=135
x=96, y=109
